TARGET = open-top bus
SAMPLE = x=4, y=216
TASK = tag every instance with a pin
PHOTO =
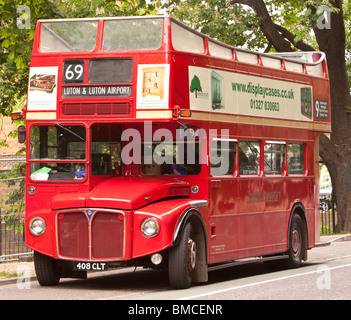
x=161, y=147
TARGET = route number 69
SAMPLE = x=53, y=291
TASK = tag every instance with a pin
x=73, y=71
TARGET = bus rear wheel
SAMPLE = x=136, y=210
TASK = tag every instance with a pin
x=297, y=243
x=182, y=260
x=47, y=269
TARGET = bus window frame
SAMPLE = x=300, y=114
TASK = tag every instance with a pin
x=85, y=161
x=305, y=160
x=101, y=44
x=260, y=169
x=284, y=169
x=99, y=41
x=235, y=161
x=73, y=52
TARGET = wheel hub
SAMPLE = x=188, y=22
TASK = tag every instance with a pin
x=296, y=243
x=191, y=254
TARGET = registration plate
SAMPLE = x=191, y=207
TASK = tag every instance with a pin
x=90, y=266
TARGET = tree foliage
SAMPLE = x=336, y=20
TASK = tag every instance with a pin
x=16, y=42
x=251, y=23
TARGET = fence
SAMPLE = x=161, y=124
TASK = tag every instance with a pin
x=12, y=245
x=328, y=214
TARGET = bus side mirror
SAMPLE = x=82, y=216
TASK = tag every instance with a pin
x=21, y=134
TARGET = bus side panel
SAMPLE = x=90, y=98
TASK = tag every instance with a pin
x=223, y=218
x=250, y=216
x=275, y=215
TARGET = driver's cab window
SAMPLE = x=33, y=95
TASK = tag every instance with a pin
x=106, y=150
x=57, y=152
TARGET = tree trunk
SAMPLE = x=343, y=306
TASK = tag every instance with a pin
x=336, y=151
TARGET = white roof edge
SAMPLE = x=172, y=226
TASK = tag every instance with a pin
x=296, y=56
x=102, y=18
x=299, y=56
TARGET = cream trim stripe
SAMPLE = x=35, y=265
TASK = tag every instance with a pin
x=41, y=115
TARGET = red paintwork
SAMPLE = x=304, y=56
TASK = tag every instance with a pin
x=235, y=227
x=116, y=193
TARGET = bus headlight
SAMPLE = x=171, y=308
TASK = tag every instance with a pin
x=37, y=226
x=150, y=227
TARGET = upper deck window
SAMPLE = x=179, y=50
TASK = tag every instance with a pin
x=185, y=40
x=68, y=36
x=133, y=34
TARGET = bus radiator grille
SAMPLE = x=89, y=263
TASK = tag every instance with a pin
x=107, y=235
x=90, y=234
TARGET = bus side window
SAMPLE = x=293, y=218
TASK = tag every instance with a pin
x=223, y=157
x=274, y=158
x=296, y=158
x=249, y=158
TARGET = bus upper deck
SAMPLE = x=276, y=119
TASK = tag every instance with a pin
x=152, y=67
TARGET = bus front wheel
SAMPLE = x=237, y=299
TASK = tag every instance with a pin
x=182, y=260
x=47, y=269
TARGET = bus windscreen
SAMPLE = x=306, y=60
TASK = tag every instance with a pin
x=133, y=34
x=68, y=36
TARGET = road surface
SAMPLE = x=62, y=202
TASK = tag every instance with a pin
x=326, y=275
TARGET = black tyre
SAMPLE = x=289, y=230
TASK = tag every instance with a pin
x=47, y=269
x=182, y=260
x=297, y=243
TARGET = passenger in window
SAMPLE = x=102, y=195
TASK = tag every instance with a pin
x=79, y=174
x=178, y=169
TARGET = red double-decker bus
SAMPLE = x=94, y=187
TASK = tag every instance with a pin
x=161, y=147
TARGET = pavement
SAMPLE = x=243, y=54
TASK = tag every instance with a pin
x=324, y=250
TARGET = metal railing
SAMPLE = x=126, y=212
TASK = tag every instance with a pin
x=328, y=214
x=12, y=245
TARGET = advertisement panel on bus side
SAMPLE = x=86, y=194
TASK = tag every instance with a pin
x=235, y=93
